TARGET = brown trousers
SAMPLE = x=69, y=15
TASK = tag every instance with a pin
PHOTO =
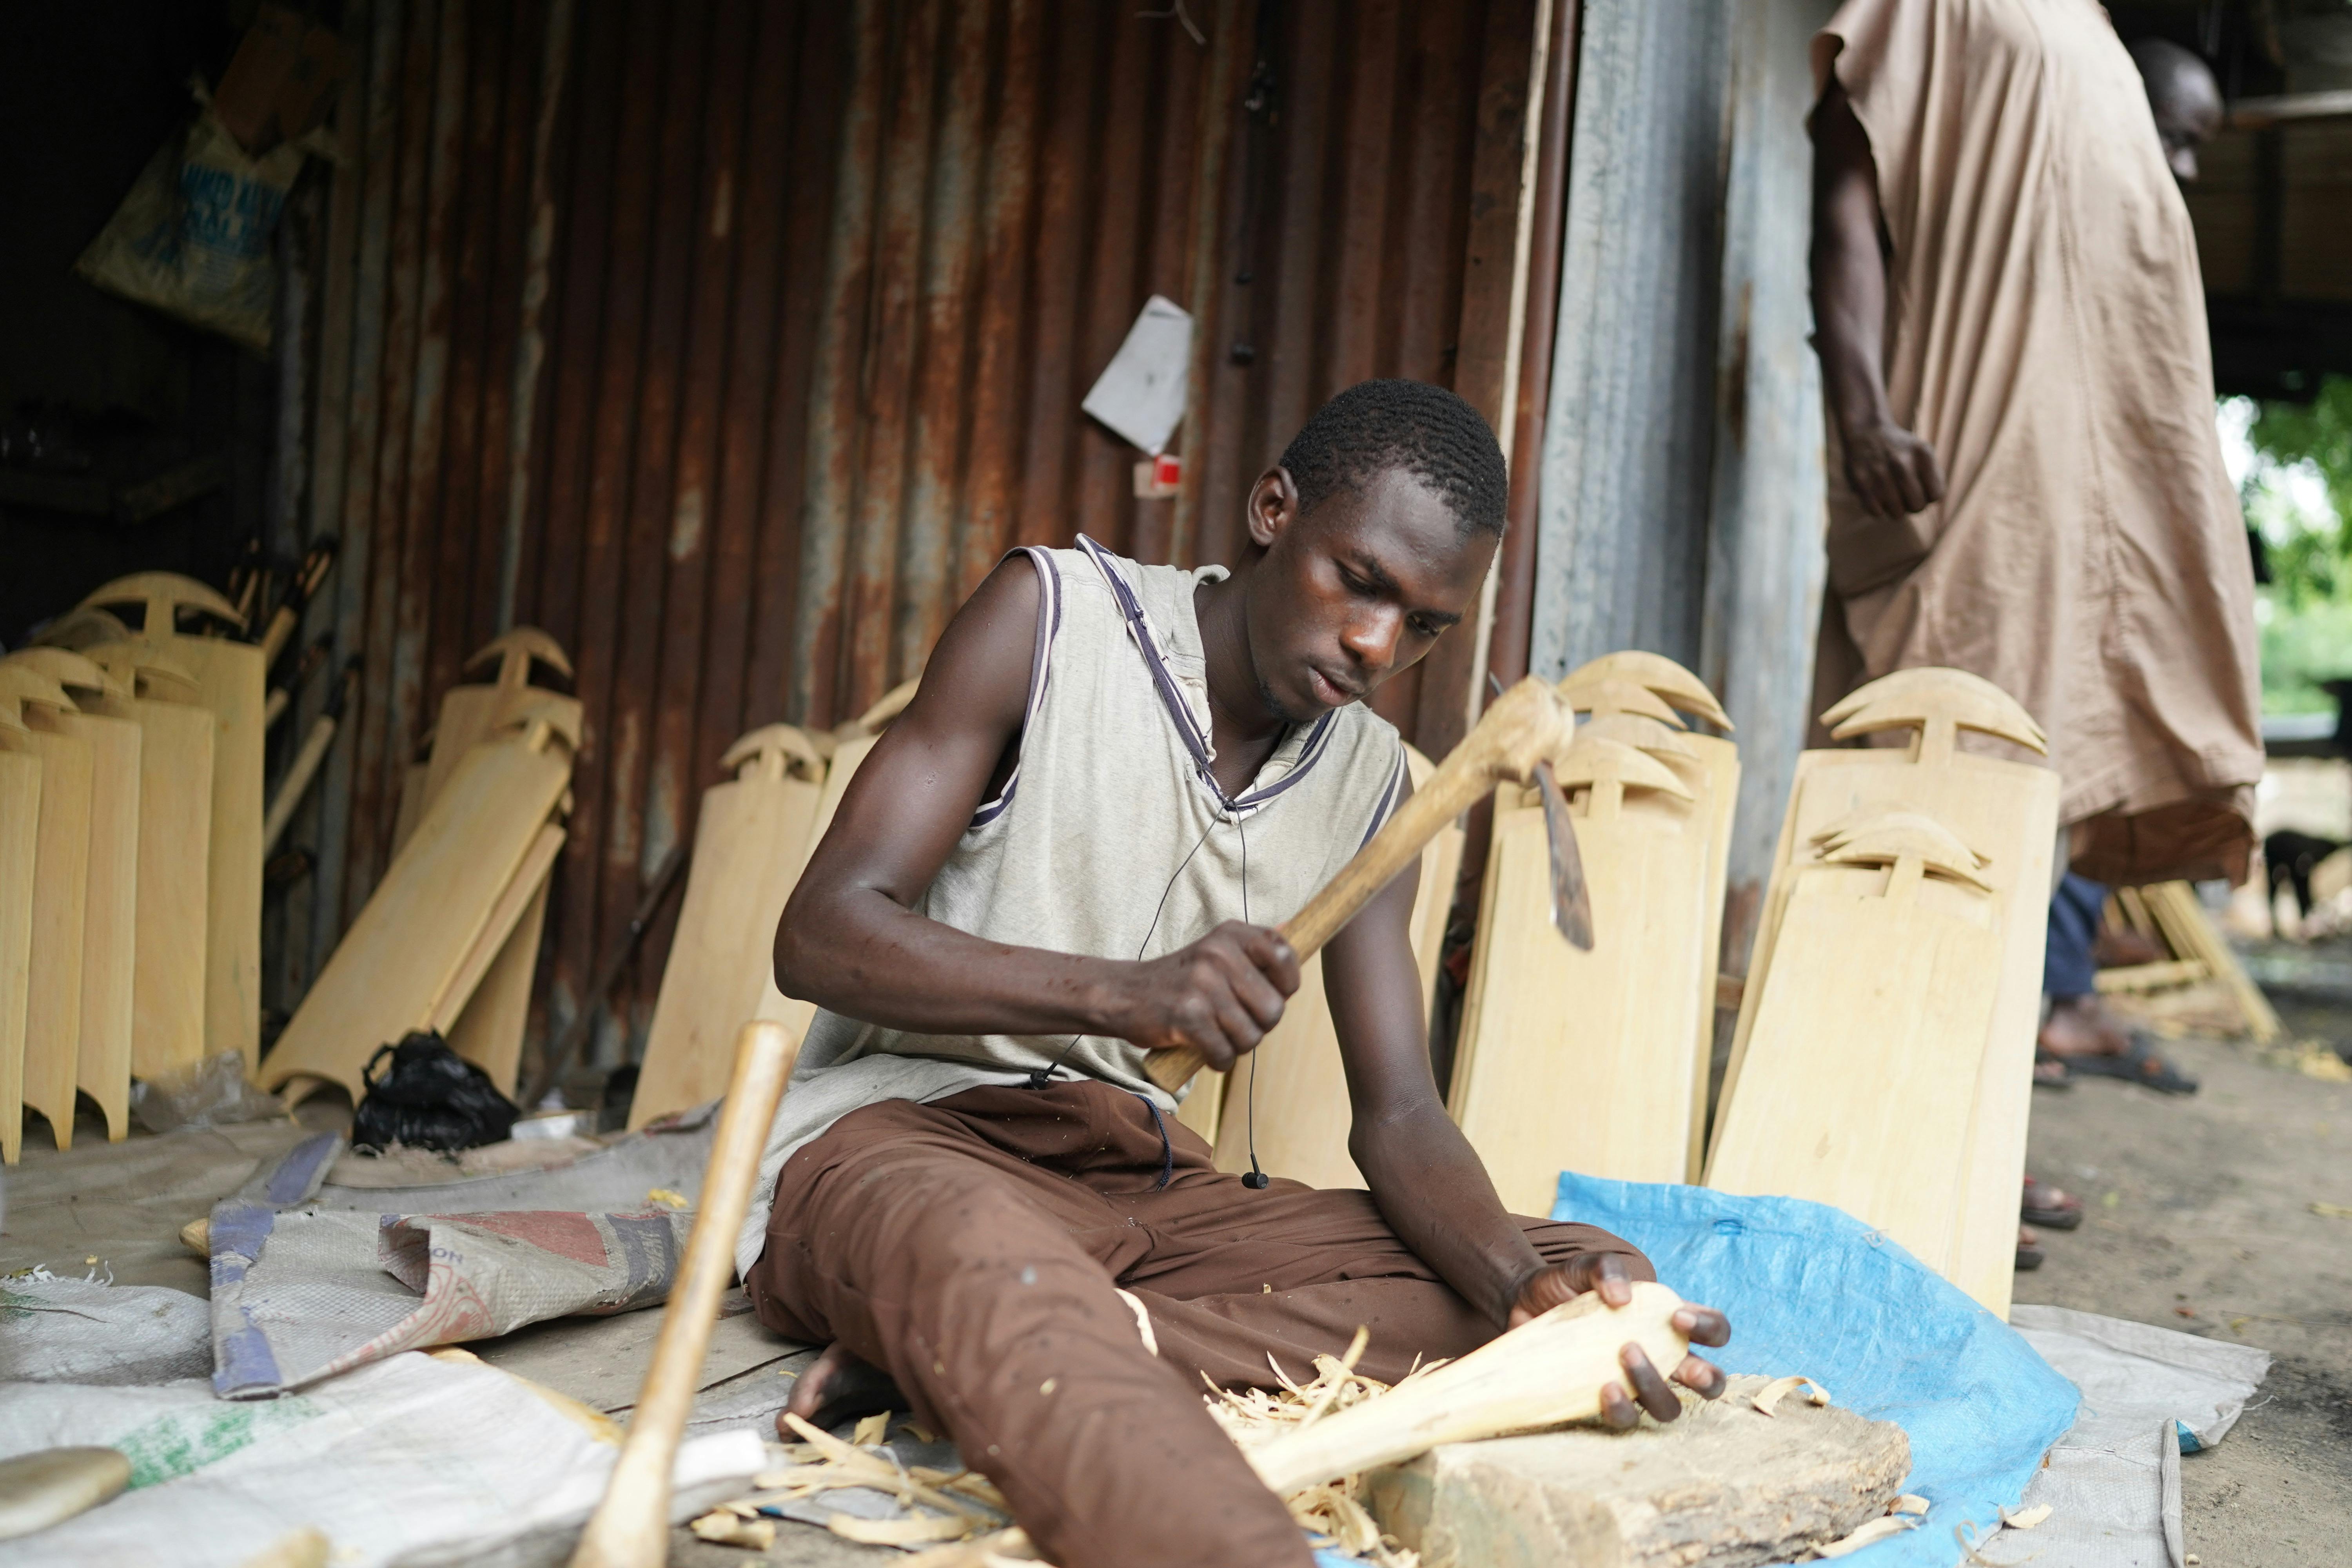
x=970, y=1247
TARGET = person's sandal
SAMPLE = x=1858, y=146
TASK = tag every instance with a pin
x=2029, y=1255
x=2139, y=1065
x=2050, y=1208
x=2050, y=1072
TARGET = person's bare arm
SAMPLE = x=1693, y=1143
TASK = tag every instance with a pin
x=1430, y=1184
x=1890, y=470
x=851, y=940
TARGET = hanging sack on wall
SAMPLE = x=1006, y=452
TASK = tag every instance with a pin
x=193, y=237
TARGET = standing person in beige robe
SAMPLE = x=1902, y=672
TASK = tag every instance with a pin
x=2025, y=481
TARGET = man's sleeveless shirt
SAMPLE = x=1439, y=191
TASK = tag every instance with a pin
x=1111, y=838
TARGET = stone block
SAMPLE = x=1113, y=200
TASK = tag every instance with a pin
x=1723, y=1486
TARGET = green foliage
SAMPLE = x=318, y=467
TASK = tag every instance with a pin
x=2307, y=610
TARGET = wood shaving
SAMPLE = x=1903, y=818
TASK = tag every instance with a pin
x=962, y=1504
x=1876, y=1529
x=1334, y=1512
x=913, y=1530
x=1005, y=1546
x=2026, y=1518
x=721, y=1526
x=1909, y=1502
x=665, y=1198
x=1142, y=1320
x=2331, y=1211
x=1768, y=1398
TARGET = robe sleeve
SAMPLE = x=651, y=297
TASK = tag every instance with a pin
x=1882, y=53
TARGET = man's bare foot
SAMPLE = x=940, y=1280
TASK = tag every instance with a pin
x=2080, y=1027
x=838, y=1387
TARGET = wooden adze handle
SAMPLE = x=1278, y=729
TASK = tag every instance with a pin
x=631, y=1527
x=1525, y=726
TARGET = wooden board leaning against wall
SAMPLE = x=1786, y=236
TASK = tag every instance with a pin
x=489, y=1031
x=1302, y=1110
x=175, y=790
x=60, y=889
x=230, y=678
x=1628, y=1024
x=1883, y=1055
x=110, y=902
x=429, y=923
x=20, y=813
x=752, y=839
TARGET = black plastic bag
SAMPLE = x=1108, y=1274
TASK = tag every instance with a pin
x=429, y=1097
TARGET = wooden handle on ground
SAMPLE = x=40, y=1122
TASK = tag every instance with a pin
x=1521, y=728
x=631, y=1527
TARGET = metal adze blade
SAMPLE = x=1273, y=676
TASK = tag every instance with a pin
x=1572, y=906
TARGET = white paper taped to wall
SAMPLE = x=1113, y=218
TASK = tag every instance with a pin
x=1140, y=394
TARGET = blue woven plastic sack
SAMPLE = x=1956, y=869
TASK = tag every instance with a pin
x=1812, y=1291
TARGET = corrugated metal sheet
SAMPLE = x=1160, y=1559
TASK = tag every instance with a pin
x=734, y=342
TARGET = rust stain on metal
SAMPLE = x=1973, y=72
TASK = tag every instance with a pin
x=734, y=342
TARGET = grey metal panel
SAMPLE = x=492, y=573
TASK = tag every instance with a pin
x=1765, y=564
x=1620, y=545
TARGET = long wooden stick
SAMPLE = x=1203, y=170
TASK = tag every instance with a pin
x=1524, y=727
x=631, y=1527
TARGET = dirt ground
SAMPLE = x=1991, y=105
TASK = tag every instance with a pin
x=2200, y=1219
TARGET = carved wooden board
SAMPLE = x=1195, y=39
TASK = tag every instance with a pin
x=175, y=792
x=1632, y=696
x=1303, y=1111
x=401, y=955
x=753, y=837
x=2006, y=813
x=60, y=889
x=231, y=679
x=1863, y=1058
x=101, y=717
x=109, y=915
x=20, y=813
x=1546, y=1028
x=489, y=1031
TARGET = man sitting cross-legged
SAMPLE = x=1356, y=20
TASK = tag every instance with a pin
x=1073, y=846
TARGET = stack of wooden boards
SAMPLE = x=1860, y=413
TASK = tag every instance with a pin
x=752, y=841
x=1884, y=1048
x=1882, y=1055
x=449, y=938
x=1599, y=1060
x=1628, y=1024
x=2200, y=984
x=129, y=854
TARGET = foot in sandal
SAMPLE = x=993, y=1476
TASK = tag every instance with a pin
x=2084, y=1038
x=2029, y=1250
x=2050, y=1208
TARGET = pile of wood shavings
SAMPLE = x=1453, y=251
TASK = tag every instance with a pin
x=1334, y=1512
x=969, y=1516
x=965, y=1511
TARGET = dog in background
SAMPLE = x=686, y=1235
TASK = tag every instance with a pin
x=2291, y=857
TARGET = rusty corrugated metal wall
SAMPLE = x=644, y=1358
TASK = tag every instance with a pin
x=731, y=342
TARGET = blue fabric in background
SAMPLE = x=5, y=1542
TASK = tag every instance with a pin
x=1812, y=1291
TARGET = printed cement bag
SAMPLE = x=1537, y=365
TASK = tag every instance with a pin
x=55, y=1330
x=299, y=1294
x=193, y=237
x=409, y=1462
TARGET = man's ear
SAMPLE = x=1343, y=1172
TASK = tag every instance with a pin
x=1273, y=507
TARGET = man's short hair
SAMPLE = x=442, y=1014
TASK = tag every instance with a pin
x=1425, y=430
